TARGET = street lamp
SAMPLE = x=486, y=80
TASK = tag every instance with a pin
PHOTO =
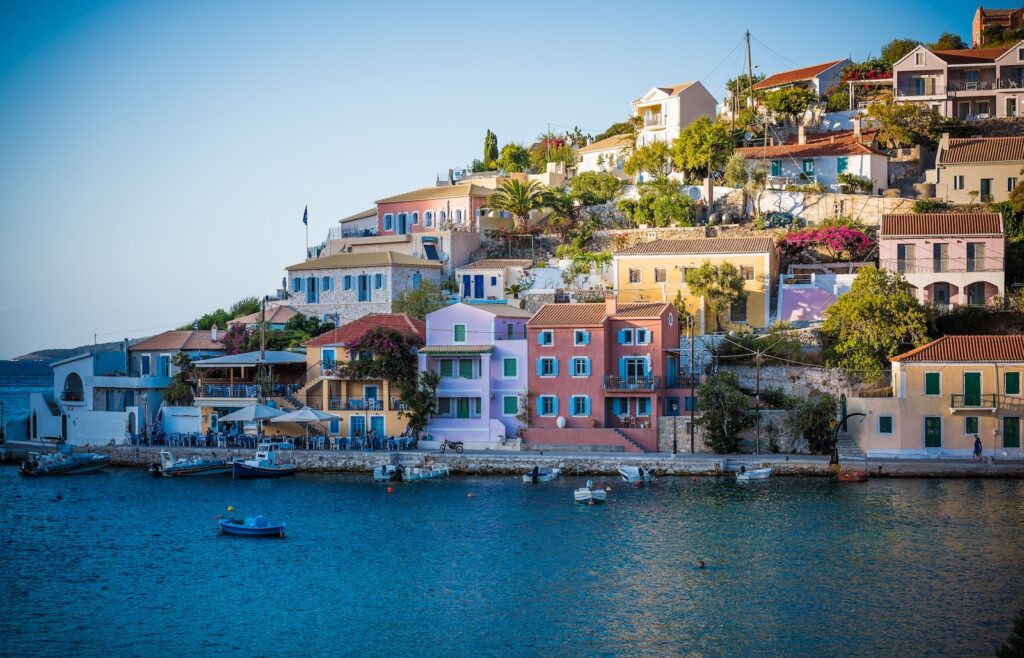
x=690, y=319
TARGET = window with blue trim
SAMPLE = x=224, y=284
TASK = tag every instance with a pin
x=346, y=282
x=643, y=407
x=415, y=218
x=417, y=279
x=325, y=284
x=643, y=337
x=547, y=367
x=388, y=219
x=546, y=337
x=579, y=405
x=581, y=337
x=580, y=366
x=379, y=281
x=494, y=280
x=625, y=336
x=547, y=405
x=297, y=284
x=428, y=219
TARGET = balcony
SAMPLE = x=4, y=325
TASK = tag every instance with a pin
x=239, y=391
x=72, y=396
x=654, y=121
x=641, y=383
x=355, y=404
x=942, y=265
x=974, y=402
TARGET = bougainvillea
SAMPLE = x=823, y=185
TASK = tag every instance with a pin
x=839, y=242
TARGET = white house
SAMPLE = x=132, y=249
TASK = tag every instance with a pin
x=607, y=155
x=818, y=79
x=487, y=279
x=665, y=111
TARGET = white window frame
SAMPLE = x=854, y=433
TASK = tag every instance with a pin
x=572, y=367
x=551, y=338
x=514, y=360
x=548, y=359
x=507, y=397
x=572, y=406
x=428, y=218
x=639, y=275
x=576, y=337
x=649, y=405
x=415, y=217
x=465, y=334
x=389, y=222
x=540, y=405
x=958, y=182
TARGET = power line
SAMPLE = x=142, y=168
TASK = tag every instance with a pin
x=777, y=54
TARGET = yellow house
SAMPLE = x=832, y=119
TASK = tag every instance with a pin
x=656, y=271
x=361, y=404
x=943, y=395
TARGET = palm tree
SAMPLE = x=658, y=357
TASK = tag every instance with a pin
x=518, y=198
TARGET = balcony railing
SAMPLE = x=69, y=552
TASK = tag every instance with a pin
x=654, y=121
x=613, y=383
x=243, y=390
x=355, y=404
x=72, y=396
x=974, y=401
x=398, y=404
x=930, y=265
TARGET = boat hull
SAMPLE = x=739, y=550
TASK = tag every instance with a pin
x=227, y=527
x=543, y=476
x=587, y=496
x=75, y=468
x=186, y=471
x=757, y=474
x=853, y=476
x=245, y=471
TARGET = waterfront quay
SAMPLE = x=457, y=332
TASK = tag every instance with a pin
x=489, y=462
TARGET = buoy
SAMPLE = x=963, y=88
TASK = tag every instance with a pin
x=607, y=488
x=702, y=564
x=469, y=495
x=391, y=490
x=231, y=508
x=591, y=503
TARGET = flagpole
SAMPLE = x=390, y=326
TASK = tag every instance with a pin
x=305, y=222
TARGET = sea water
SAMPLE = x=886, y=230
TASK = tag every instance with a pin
x=18, y=380
x=127, y=564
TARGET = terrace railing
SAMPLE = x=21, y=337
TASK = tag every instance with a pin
x=613, y=383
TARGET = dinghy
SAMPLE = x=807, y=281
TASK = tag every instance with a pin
x=756, y=474
x=539, y=474
x=63, y=462
x=252, y=526
x=636, y=474
x=264, y=465
x=588, y=494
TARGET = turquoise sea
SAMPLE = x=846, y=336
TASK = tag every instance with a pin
x=128, y=565
x=18, y=380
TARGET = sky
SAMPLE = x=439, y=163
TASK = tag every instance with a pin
x=156, y=157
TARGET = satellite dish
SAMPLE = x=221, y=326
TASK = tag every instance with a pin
x=694, y=193
x=748, y=136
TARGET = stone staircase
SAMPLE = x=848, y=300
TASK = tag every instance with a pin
x=847, y=447
x=51, y=404
x=628, y=439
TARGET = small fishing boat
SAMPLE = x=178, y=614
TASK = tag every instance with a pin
x=388, y=473
x=636, y=474
x=539, y=474
x=63, y=462
x=756, y=474
x=169, y=467
x=853, y=476
x=266, y=464
x=590, y=495
x=424, y=472
x=251, y=526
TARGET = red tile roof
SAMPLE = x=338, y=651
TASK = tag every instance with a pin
x=837, y=143
x=593, y=314
x=983, y=149
x=795, y=75
x=348, y=334
x=700, y=246
x=928, y=224
x=275, y=315
x=970, y=55
x=179, y=340
x=967, y=348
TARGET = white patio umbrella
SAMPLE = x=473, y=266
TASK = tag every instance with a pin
x=251, y=413
x=304, y=417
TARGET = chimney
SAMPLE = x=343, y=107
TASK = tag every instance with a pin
x=801, y=136
x=856, y=128
x=213, y=332
x=611, y=305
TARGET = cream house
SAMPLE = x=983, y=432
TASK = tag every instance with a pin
x=975, y=169
x=608, y=155
x=665, y=111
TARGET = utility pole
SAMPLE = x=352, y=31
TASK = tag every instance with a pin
x=757, y=402
x=693, y=391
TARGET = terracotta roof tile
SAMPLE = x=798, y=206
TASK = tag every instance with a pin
x=178, y=340
x=440, y=192
x=970, y=55
x=689, y=246
x=928, y=224
x=967, y=348
x=608, y=143
x=842, y=142
x=456, y=349
x=275, y=315
x=983, y=149
x=497, y=264
x=363, y=259
x=592, y=314
x=795, y=75
x=372, y=212
x=348, y=334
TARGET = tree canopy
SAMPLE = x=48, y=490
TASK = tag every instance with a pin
x=518, y=198
x=591, y=187
x=661, y=204
x=513, y=158
x=490, y=150
x=789, y=102
x=876, y=320
x=627, y=127
x=897, y=49
x=418, y=303
x=703, y=146
x=653, y=158
x=723, y=411
x=720, y=286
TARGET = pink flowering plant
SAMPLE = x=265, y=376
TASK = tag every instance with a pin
x=837, y=242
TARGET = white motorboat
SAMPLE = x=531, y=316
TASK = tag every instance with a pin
x=636, y=474
x=170, y=467
x=539, y=474
x=757, y=474
x=589, y=494
x=424, y=472
x=388, y=473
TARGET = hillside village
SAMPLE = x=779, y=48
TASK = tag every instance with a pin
x=714, y=273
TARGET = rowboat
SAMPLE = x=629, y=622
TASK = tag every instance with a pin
x=169, y=467
x=252, y=526
x=590, y=495
x=265, y=465
x=853, y=476
x=756, y=474
x=636, y=474
x=539, y=474
x=425, y=472
x=63, y=462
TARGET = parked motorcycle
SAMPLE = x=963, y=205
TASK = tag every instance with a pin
x=454, y=445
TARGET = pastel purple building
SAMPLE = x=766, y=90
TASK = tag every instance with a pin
x=479, y=350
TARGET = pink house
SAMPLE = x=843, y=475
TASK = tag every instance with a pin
x=447, y=207
x=603, y=375
x=950, y=258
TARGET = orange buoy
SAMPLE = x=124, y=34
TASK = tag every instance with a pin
x=694, y=478
x=391, y=490
x=469, y=495
x=591, y=503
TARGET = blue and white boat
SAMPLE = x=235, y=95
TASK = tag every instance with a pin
x=251, y=526
x=169, y=467
x=266, y=464
x=63, y=462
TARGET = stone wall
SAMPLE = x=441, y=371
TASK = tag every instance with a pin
x=796, y=381
x=677, y=429
x=815, y=208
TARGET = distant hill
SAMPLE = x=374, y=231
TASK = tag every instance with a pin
x=49, y=356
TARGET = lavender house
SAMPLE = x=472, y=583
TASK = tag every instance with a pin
x=479, y=350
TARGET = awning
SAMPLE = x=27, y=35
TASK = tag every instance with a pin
x=444, y=350
x=249, y=359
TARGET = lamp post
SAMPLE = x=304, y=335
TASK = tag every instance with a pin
x=693, y=393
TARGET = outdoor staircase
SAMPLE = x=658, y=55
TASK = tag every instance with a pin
x=51, y=404
x=626, y=438
x=847, y=447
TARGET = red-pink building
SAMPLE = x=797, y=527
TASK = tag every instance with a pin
x=604, y=374
x=447, y=207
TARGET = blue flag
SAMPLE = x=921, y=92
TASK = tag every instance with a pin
x=305, y=216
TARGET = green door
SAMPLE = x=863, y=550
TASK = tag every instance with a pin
x=932, y=432
x=462, y=408
x=972, y=389
x=1011, y=432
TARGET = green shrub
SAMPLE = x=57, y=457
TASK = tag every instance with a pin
x=928, y=205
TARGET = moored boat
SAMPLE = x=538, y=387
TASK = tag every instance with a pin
x=589, y=494
x=252, y=526
x=424, y=472
x=755, y=474
x=266, y=464
x=636, y=474
x=63, y=462
x=388, y=473
x=853, y=476
x=169, y=467
x=539, y=474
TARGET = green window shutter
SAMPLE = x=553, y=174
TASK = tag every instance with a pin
x=459, y=333
x=447, y=369
x=842, y=162
x=1011, y=385
x=776, y=168
x=511, y=405
x=932, y=384
x=466, y=369
x=510, y=368
x=885, y=424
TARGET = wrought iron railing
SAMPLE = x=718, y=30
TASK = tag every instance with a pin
x=613, y=383
x=973, y=401
x=355, y=404
x=237, y=390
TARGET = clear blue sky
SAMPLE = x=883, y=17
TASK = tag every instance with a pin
x=156, y=156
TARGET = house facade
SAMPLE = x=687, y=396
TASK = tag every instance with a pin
x=994, y=20
x=821, y=158
x=608, y=155
x=276, y=317
x=344, y=287
x=972, y=169
x=951, y=259
x=360, y=404
x=665, y=111
x=485, y=280
x=969, y=84
x=604, y=374
x=656, y=271
x=818, y=79
x=480, y=353
x=943, y=395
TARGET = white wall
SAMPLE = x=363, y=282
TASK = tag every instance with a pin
x=100, y=427
x=181, y=419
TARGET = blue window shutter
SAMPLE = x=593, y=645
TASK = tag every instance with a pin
x=540, y=367
x=554, y=405
x=622, y=367
x=586, y=406
x=586, y=366
x=554, y=364
x=383, y=280
x=622, y=336
x=540, y=405
x=586, y=338
x=540, y=337
x=647, y=366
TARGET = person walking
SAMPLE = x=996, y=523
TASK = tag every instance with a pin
x=977, y=448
